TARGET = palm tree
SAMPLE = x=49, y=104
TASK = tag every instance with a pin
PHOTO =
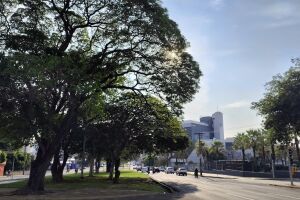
x=201, y=149
x=217, y=150
x=241, y=142
x=254, y=138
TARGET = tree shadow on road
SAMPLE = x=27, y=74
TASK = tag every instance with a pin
x=181, y=189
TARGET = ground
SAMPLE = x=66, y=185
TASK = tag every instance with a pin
x=132, y=184
x=216, y=187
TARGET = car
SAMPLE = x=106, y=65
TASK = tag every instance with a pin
x=162, y=169
x=181, y=172
x=138, y=168
x=156, y=170
x=169, y=170
x=144, y=169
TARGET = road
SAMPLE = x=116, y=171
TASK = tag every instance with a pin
x=216, y=188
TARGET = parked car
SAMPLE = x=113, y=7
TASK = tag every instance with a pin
x=169, y=170
x=162, y=169
x=138, y=168
x=181, y=172
x=144, y=169
x=156, y=170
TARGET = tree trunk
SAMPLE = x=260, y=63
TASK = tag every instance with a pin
x=297, y=146
x=111, y=170
x=254, y=159
x=108, y=165
x=57, y=168
x=97, y=167
x=39, y=168
x=243, y=153
x=117, y=172
x=273, y=160
x=91, y=166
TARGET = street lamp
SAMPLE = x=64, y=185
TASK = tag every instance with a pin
x=200, y=161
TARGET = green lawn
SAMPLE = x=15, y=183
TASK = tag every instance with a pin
x=129, y=180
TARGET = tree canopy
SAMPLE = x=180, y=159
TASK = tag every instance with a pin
x=58, y=54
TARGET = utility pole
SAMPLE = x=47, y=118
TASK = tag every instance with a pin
x=200, y=160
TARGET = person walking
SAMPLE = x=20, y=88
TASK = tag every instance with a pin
x=196, y=173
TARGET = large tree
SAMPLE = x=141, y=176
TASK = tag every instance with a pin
x=56, y=54
x=280, y=106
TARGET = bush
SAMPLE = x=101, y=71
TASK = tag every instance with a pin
x=2, y=157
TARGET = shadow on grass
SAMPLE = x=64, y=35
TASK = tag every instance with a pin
x=129, y=180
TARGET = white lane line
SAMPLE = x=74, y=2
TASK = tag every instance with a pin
x=292, y=197
x=243, y=197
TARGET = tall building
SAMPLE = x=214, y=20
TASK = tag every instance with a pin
x=210, y=127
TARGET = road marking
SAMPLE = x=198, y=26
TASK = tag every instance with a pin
x=240, y=196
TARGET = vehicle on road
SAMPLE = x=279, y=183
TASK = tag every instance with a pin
x=169, y=170
x=144, y=169
x=181, y=172
x=156, y=170
x=162, y=169
x=138, y=168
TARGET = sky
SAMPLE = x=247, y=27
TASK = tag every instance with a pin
x=240, y=45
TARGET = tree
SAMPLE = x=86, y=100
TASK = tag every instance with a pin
x=3, y=157
x=254, y=137
x=58, y=53
x=280, y=106
x=241, y=142
x=216, y=151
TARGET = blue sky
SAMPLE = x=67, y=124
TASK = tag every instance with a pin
x=240, y=45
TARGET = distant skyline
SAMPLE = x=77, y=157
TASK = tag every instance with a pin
x=240, y=45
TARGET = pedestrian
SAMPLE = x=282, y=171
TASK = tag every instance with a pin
x=196, y=173
x=148, y=170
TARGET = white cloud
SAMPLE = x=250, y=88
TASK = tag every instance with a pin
x=238, y=104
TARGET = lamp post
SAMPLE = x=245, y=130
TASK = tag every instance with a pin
x=200, y=160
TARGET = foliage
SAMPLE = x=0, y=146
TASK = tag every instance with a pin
x=216, y=151
x=21, y=160
x=3, y=156
x=56, y=55
x=281, y=104
x=241, y=142
x=201, y=149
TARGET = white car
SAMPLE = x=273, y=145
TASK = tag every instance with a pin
x=144, y=169
x=169, y=170
x=181, y=172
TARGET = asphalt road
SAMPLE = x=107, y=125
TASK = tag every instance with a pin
x=216, y=188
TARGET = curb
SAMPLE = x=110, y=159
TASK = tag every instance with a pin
x=286, y=186
x=169, y=188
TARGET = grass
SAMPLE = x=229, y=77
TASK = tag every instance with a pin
x=129, y=180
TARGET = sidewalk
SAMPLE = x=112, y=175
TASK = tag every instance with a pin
x=282, y=182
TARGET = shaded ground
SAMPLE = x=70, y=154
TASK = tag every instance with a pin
x=132, y=185
x=86, y=193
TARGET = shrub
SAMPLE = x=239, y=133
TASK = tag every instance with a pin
x=2, y=156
